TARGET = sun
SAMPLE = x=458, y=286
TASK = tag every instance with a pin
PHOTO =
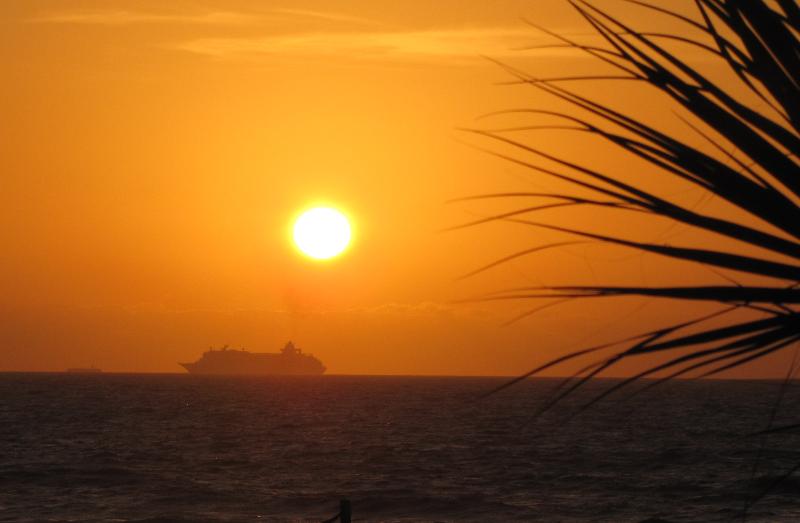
x=322, y=232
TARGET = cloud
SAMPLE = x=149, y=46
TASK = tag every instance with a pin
x=433, y=310
x=464, y=44
x=430, y=309
x=124, y=17
x=387, y=45
x=133, y=17
x=322, y=15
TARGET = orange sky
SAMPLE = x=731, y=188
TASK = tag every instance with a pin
x=152, y=159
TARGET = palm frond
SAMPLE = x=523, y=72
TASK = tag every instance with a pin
x=753, y=132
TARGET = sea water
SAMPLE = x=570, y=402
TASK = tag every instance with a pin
x=190, y=448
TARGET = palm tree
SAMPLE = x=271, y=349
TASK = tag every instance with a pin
x=749, y=162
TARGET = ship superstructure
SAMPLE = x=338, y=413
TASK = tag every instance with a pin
x=290, y=360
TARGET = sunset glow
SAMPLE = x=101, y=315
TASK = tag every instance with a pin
x=368, y=260
x=158, y=157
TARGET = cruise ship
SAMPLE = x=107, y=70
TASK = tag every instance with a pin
x=289, y=361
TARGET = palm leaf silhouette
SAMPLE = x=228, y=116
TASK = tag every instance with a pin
x=752, y=130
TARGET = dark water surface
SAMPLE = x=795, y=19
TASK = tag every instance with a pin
x=188, y=448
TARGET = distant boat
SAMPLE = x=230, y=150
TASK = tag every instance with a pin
x=84, y=370
x=289, y=361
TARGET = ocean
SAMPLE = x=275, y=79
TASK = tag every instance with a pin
x=152, y=448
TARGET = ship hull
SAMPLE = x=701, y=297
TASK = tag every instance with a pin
x=192, y=368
